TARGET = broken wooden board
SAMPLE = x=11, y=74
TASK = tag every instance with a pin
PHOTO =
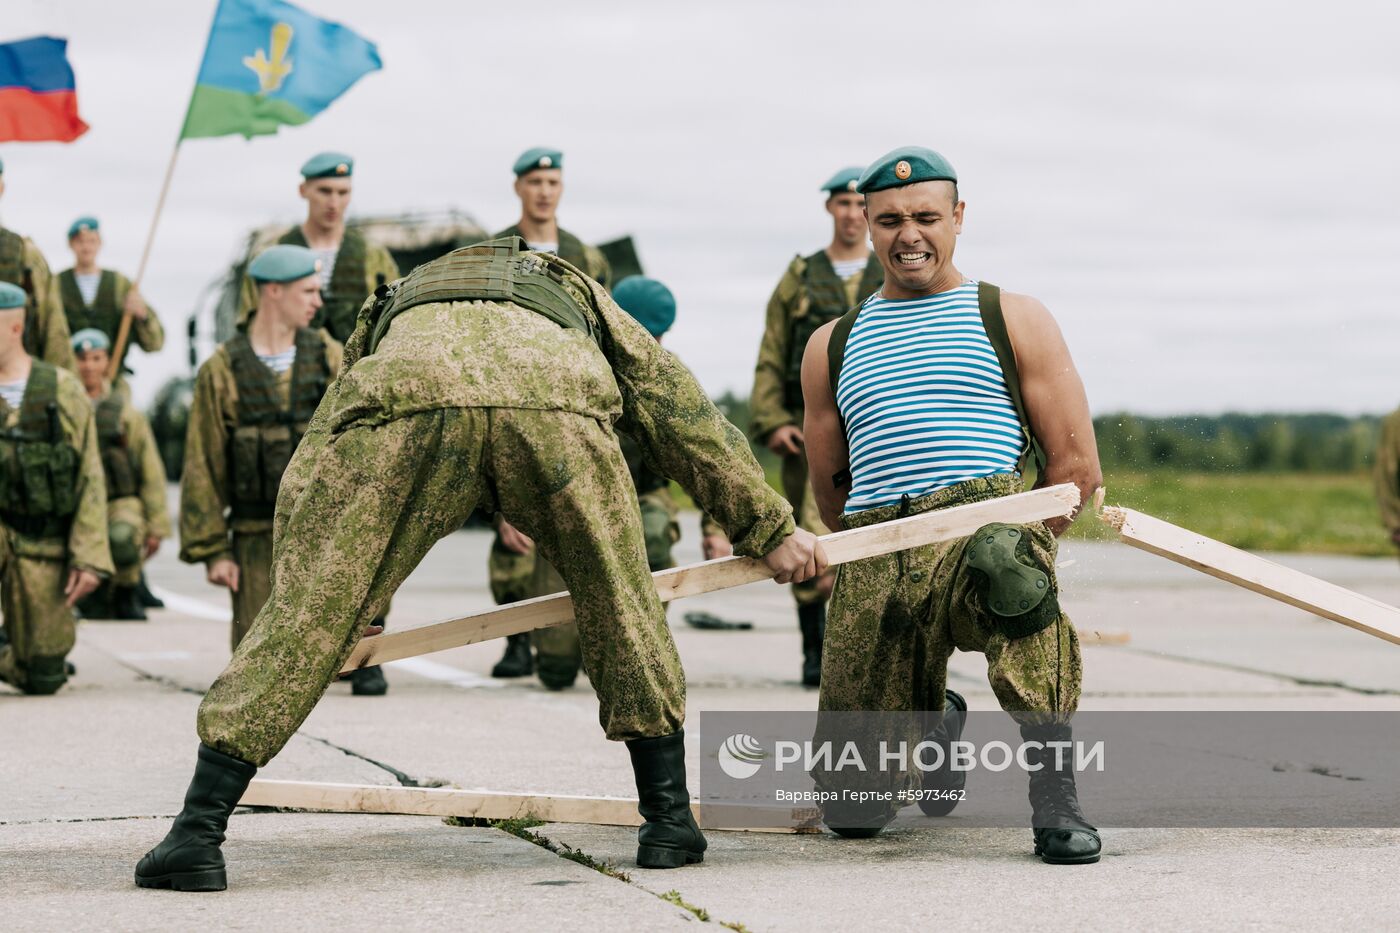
x=1255, y=573
x=490, y=805
x=707, y=577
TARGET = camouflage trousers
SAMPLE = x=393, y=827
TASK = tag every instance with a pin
x=559, y=652
x=896, y=620
x=369, y=502
x=126, y=531
x=798, y=491
x=252, y=552
x=40, y=630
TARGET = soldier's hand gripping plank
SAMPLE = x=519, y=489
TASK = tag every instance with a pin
x=492, y=375
x=933, y=393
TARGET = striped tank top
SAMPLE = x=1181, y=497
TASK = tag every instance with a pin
x=923, y=398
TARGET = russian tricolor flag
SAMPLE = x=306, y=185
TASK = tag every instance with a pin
x=38, y=99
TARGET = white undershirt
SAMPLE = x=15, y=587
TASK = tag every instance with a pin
x=849, y=268
x=327, y=259
x=13, y=392
x=87, y=285
x=279, y=363
x=544, y=247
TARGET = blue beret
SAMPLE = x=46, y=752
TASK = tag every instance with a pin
x=90, y=338
x=12, y=296
x=328, y=165
x=538, y=157
x=81, y=224
x=647, y=300
x=906, y=165
x=283, y=263
x=844, y=180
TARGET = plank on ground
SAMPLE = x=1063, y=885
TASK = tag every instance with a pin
x=707, y=577
x=490, y=805
x=1261, y=576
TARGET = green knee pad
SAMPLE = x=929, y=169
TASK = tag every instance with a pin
x=1014, y=587
x=43, y=676
x=126, y=550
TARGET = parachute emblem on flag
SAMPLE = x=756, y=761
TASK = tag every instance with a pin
x=272, y=70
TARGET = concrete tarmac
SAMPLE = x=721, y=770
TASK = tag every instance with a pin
x=90, y=777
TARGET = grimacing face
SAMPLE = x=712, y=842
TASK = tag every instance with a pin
x=296, y=303
x=847, y=210
x=92, y=367
x=85, y=244
x=539, y=192
x=327, y=200
x=914, y=230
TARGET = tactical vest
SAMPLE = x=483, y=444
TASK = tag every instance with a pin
x=268, y=432
x=104, y=313
x=824, y=300
x=497, y=270
x=342, y=296
x=118, y=461
x=994, y=323
x=14, y=271
x=38, y=466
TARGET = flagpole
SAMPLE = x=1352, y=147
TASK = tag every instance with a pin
x=124, y=329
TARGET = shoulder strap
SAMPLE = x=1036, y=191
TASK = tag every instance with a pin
x=994, y=323
x=109, y=416
x=571, y=249
x=258, y=400
x=70, y=293
x=38, y=410
x=836, y=347
x=310, y=374
x=293, y=237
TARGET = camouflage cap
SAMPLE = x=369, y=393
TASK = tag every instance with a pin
x=842, y=181
x=12, y=296
x=538, y=157
x=907, y=165
x=647, y=300
x=328, y=165
x=90, y=338
x=283, y=263
x=81, y=224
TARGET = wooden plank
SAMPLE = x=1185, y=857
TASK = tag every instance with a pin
x=491, y=805
x=709, y=576
x=1256, y=574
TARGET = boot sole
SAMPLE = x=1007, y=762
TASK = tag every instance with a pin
x=213, y=880
x=657, y=857
x=1052, y=860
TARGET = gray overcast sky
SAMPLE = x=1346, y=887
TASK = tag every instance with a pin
x=1204, y=193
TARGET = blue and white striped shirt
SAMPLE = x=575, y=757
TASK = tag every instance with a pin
x=923, y=398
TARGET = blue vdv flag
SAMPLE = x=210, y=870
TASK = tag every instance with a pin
x=269, y=63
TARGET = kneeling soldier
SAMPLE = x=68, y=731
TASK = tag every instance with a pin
x=493, y=376
x=53, y=507
x=931, y=394
x=137, y=517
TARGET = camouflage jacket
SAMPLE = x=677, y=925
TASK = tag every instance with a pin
x=52, y=337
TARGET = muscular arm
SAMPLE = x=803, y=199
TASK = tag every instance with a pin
x=827, y=452
x=204, y=481
x=1055, y=401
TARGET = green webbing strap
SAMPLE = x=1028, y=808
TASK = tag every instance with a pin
x=994, y=323
x=836, y=347
x=40, y=400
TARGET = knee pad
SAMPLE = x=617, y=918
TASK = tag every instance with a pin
x=556, y=673
x=1012, y=582
x=43, y=676
x=126, y=550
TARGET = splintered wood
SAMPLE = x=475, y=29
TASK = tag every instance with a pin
x=709, y=576
x=1255, y=573
x=489, y=805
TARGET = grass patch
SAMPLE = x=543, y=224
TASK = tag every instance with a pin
x=674, y=897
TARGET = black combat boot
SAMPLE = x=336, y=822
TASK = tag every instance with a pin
x=517, y=661
x=812, y=620
x=126, y=605
x=98, y=604
x=669, y=838
x=1062, y=835
x=148, y=599
x=188, y=858
x=945, y=781
x=368, y=682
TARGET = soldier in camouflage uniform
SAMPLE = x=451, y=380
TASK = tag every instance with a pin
x=558, y=652
x=539, y=183
x=929, y=396
x=352, y=267
x=46, y=331
x=137, y=517
x=493, y=376
x=53, y=507
x=814, y=290
x=98, y=298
